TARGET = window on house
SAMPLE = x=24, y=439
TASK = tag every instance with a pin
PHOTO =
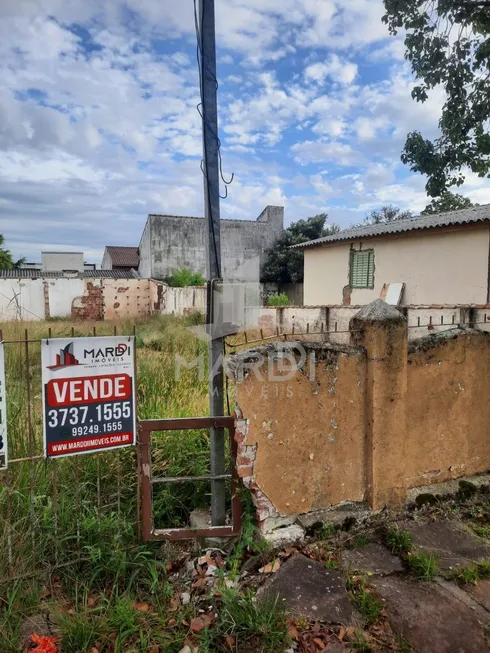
x=362, y=268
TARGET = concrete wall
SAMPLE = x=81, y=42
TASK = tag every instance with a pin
x=61, y=261
x=442, y=268
x=332, y=322
x=21, y=299
x=303, y=444
x=106, y=261
x=95, y=299
x=364, y=422
x=60, y=295
x=172, y=242
x=125, y=298
x=145, y=249
x=179, y=301
x=448, y=408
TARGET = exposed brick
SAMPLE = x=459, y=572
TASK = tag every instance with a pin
x=46, y=300
x=90, y=305
x=245, y=471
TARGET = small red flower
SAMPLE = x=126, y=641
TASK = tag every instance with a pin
x=44, y=644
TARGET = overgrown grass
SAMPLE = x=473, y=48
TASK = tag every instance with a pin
x=78, y=515
x=422, y=566
x=60, y=510
x=474, y=573
x=260, y=627
x=364, y=600
x=482, y=531
x=359, y=643
x=18, y=601
x=278, y=299
x=398, y=541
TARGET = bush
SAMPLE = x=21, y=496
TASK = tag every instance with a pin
x=184, y=277
x=278, y=299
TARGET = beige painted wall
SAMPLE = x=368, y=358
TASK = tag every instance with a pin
x=360, y=423
x=308, y=433
x=444, y=268
x=448, y=408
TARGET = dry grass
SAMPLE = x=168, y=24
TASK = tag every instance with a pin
x=53, y=511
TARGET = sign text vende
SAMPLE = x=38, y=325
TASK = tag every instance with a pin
x=88, y=390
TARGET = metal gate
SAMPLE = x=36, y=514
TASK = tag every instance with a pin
x=147, y=480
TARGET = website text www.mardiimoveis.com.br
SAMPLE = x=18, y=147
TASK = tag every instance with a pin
x=90, y=443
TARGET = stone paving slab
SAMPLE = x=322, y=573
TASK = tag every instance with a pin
x=480, y=593
x=459, y=593
x=308, y=589
x=432, y=620
x=454, y=547
x=372, y=558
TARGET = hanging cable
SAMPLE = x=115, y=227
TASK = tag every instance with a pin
x=203, y=69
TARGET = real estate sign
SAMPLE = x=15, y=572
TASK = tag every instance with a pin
x=88, y=395
x=3, y=412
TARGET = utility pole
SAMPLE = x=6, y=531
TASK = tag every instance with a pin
x=209, y=112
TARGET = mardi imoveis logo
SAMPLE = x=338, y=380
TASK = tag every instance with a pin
x=65, y=358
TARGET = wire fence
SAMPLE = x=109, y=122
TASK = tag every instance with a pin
x=432, y=324
x=56, y=512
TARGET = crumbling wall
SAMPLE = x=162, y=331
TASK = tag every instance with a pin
x=448, y=407
x=320, y=424
x=89, y=306
x=301, y=442
x=126, y=298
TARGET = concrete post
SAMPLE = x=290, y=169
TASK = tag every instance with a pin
x=382, y=330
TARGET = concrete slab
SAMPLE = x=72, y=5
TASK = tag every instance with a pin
x=430, y=619
x=200, y=518
x=480, y=593
x=337, y=515
x=306, y=588
x=447, y=487
x=450, y=587
x=372, y=558
x=454, y=547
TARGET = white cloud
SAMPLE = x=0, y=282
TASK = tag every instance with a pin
x=338, y=153
x=98, y=120
x=336, y=68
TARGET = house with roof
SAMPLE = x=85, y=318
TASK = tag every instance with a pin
x=442, y=258
x=120, y=258
x=69, y=262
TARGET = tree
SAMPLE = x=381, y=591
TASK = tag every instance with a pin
x=387, y=213
x=448, y=44
x=448, y=202
x=285, y=265
x=6, y=260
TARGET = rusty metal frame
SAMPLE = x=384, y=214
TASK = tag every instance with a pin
x=146, y=480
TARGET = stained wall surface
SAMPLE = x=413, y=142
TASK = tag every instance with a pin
x=437, y=268
x=308, y=432
x=364, y=422
x=448, y=407
x=173, y=242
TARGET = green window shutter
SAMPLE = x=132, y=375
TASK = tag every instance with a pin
x=362, y=269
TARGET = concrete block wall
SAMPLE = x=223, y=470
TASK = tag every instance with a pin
x=334, y=321
x=323, y=424
x=126, y=298
x=180, y=301
x=172, y=242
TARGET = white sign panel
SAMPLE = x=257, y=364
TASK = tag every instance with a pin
x=88, y=395
x=3, y=412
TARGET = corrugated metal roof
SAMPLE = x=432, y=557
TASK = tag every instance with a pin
x=26, y=273
x=128, y=257
x=420, y=222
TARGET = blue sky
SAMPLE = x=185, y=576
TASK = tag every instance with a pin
x=98, y=120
